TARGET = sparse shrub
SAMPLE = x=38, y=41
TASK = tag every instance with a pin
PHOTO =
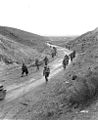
x=78, y=93
x=83, y=90
x=93, y=80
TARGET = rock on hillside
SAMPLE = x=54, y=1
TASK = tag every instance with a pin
x=83, y=42
x=17, y=45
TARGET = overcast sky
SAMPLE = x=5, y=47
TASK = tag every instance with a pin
x=50, y=17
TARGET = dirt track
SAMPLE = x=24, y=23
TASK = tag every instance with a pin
x=16, y=91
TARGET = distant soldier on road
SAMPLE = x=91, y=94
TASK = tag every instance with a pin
x=72, y=55
x=37, y=64
x=46, y=60
x=53, y=54
x=46, y=73
x=24, y=70
x=55, y=50
x=65, y=61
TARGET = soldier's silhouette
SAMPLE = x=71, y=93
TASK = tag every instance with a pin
x=46, y=73
x=37, y=64
x=65, y=61
x=24, y=70
x=46, y=60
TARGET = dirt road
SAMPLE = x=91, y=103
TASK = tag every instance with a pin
x=14, y=91
x=17, y=90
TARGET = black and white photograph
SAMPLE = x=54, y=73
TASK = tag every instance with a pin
x=48, y=60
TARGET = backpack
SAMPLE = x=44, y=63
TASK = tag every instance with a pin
x=46, y=71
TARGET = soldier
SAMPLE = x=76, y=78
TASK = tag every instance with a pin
x=24, y=70
x=52, y=54
x=46, y=73
x=65, y=61
x=37, y=64
x=46, y=60
x=55, y=50
x=72, y=55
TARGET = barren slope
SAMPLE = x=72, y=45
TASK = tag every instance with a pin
x=84, y=42
x=17, y=45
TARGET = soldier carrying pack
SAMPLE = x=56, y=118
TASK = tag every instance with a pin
x=46, y=73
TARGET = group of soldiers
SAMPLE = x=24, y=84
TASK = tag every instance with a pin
x=46, y=70
x=65, y=61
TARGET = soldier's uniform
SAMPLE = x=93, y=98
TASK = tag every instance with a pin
x=37, y=63
x=46, y=60
x=72, y=55
x=65, y=61
x=46, y=73
x=24, y=70
x=55, y=50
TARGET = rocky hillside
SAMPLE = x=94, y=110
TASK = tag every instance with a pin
x=84, y=87
x=17, y=45
x=85, y=41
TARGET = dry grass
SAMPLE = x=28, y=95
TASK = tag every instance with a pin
x=82, y=90
x=17, y=46
x=84, y=42
x=58, y=98
x=78, y=93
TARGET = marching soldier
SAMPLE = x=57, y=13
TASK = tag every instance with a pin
x=65, y=61
x=46, y=60
x=37, y=64
x=72, y=55
x=24, y=70
x=46, y=73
